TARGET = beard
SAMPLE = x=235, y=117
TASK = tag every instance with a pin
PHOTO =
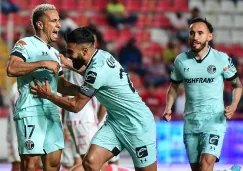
x=202, y=45
x=77, y=63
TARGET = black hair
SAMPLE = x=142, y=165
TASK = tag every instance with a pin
x=198, y=19
x=80, y=35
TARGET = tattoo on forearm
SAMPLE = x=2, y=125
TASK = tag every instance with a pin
x=236, y=83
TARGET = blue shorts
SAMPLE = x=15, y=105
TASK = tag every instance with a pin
x=203, y=143
x=41, y=134
x=141, y=147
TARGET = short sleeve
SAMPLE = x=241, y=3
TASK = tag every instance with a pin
x=94, y=78
x=229, y=70
x=20, y=50
x=175, y=75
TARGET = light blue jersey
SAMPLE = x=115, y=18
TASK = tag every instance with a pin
x=106, y=79
x=204, y=85
x=32, y=49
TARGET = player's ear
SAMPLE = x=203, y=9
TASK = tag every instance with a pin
x=210, y=36
x=39, y=25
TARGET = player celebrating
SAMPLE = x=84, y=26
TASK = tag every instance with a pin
x=39, y=129
x=203, y=70
x=129, y=121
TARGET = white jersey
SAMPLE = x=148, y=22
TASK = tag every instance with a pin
x=89, y=112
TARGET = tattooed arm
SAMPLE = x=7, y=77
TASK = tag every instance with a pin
x=237, y=91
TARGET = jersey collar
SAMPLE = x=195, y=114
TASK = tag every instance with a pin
x=49, y=47
x=200, y=60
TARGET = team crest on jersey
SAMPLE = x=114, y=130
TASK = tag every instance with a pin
x=110, y=62
x=90, y=77
x=211, y=69
x=29, y=145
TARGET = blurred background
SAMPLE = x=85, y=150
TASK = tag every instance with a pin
x=145, y=36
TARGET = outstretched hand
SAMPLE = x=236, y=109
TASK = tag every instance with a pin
x=40, y=90
x=229, y=111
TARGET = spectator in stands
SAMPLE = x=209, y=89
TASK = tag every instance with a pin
x=130, y=57
x=66, y=22
x=179, y=23
x=117, y=14
x=9, y=7
x=170, y=52
x=195, y=12
x=156, y=72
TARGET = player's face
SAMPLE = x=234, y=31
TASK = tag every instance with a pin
x=199, y=36
x=74, y=53
x=51, y=26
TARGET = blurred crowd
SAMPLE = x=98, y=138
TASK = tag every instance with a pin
x=149, y=66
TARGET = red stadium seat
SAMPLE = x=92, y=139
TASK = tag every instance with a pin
x=99, y=19
x=222, y=47
x=99, y=5
x=236, y=50
x=180, y=6
x=34, y=3
x=124, y=35
x=84, y=5
x=110, y=34
x=148, y=5
x=4, y=19
x=81, y=19
x=143, y=35
x=164, y=6
x=133, y=5
x=161, y=21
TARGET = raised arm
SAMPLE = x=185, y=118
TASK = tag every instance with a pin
x=170, y=99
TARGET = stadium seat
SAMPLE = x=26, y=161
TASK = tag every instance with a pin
x=24, y=5
x=211, y=6
x=4, y=19
x=142, y=35
x=84, y=5
x=81, y=19
x=236, y=50
x=110, y=34
x=238, y=21
x=124, y=35
x=224, y=21
x=239, y=7
x=237, y=36
x=159, y=35
x=148, y=6
x=164, y=6
x=180, y=6
x=222, y=36
x=99, y=5
x=227, y=6
x=133, y=6
x=34, y=3
x=99, y=19
x=57, y=3
x=196, y=3
x=68, y=5
x=161, y=21
x=222, y=48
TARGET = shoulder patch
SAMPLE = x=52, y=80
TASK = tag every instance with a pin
x=90, y=77
x=20, y=45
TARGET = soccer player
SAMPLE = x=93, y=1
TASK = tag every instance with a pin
x=39, y=129
x=130, y=124
x=203, y=70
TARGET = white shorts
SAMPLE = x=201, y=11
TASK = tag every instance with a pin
x=69, y=153
x=82, y=135
x=13, y=153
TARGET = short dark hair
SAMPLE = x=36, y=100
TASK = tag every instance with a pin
x=198, y=19
x=80, y=35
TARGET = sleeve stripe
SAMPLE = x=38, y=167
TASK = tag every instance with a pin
x=232, y=78
x=176, y=82
x=19, y=55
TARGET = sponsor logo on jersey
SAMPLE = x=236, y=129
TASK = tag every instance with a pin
x=29, y=145
x=213, y=139
x=44, y=53
x=211, y=69
x=141, y=151
x=90, y=77
x=110, y=62
x=199, y=80
x=186, y=69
